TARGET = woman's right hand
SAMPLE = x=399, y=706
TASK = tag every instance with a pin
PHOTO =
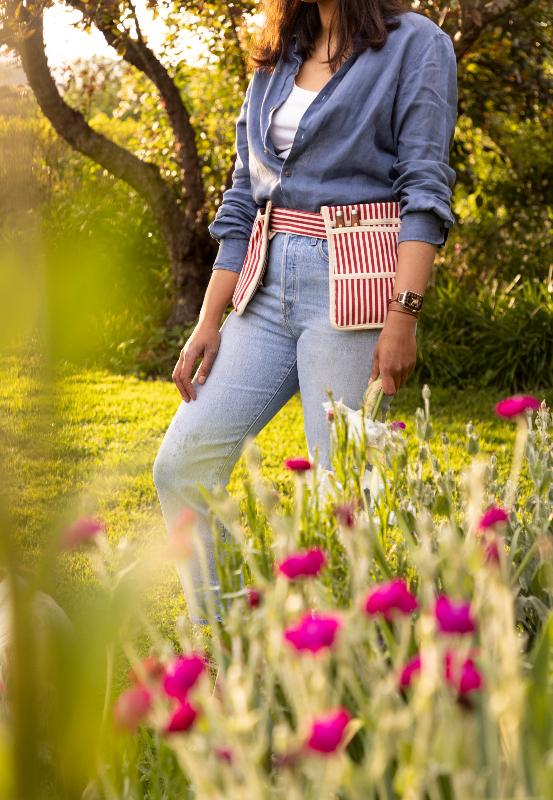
x=202, y=343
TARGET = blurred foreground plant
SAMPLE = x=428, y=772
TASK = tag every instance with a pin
x=389, y=636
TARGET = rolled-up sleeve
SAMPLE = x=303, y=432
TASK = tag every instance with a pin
x=233, y=222
x=424, y=119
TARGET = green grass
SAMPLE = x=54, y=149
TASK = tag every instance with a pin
x=88, y=446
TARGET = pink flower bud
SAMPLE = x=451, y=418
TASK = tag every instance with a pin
x=412, y=668
x=131, y=708
x=314, y=632
x=297, y=464
x=397, y=424
x=327, y=732
x=303, y=564
x=492, y=550
x=254, y=597
x=180, y=542
x=81, y=532
x=153, y=669
x=390, y=598
x=516, y=405
x=345, y=513
x=453, y=617
x=224, y=754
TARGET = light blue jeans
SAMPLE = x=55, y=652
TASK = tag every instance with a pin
x=281, y=344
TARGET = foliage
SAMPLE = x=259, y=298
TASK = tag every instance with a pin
x=430, y=737
x=502, y=152
x=491, y=335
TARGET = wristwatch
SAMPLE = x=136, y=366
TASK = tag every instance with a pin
x=411, y=301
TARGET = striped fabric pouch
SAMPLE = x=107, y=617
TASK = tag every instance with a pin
x=362, y=262
x=255, y=261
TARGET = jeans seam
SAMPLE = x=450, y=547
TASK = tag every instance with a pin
x=238, y=444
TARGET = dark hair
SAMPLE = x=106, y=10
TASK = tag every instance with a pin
x=360, y=24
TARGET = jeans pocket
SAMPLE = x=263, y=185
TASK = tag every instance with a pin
x=322, y=248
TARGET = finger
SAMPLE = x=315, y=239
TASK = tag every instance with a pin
x=186, y=372
x=207, y=363
x=388, y=381
x=177, y=379
x=375, y=369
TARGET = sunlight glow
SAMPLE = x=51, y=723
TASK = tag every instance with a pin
x=65, y=42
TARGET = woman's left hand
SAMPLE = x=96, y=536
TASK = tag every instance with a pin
x=395, y=354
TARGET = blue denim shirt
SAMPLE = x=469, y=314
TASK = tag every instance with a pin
x=380, y=129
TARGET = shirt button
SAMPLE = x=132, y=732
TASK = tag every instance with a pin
x=265, y=150
x=287, y=172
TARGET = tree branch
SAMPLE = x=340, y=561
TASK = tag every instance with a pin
x=476, y=16
x=70, y=124
x=137, y=53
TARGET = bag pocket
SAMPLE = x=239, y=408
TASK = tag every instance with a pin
x=255, y=261
x=362, y=261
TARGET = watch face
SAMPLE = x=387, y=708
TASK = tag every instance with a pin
x=413, y=300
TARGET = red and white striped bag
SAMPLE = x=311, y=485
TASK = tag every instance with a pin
x=362, y=263
x=362, y=259
x=255, y=262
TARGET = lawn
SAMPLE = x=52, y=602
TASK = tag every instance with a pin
x=87, y=448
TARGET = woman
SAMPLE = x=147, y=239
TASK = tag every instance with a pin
x=351, y=101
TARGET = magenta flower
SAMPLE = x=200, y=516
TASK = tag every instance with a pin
x=81, y=531
x=453, y=617
x=254, y=597
x=314, y=632
x=297, y=464
x=389, y=598
x=327, y=732
x=131, y=707
x=492, y=516
x=303, y=564
x=397, y=424
x=467, y=680
x=517, y=404
x=183, y=675
x=345, y=513
x=471, y=679
x=182, y=718
x=409, y=671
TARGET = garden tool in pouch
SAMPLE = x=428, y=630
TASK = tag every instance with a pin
x=362, y=250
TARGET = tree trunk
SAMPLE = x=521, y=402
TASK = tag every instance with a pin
x=189, y=253
x=183, y=226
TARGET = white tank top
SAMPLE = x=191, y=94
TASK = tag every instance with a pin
x=285, y=119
